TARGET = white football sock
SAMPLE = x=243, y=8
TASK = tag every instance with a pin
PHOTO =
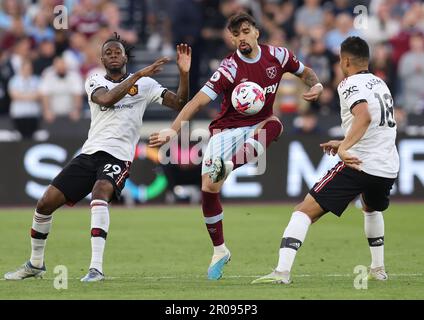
x=41, y=224
x=99, y=220
x=293, y=237
x=221, y=249
x=374, y=231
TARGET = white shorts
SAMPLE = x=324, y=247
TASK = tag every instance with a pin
x=225, y=144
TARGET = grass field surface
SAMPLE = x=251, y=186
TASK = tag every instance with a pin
x=164, y=252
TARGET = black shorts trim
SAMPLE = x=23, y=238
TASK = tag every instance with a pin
x=342, y=184
x=78, y=177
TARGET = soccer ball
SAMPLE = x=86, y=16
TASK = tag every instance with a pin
x=248, y=98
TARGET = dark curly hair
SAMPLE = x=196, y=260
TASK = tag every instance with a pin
x=117, y=38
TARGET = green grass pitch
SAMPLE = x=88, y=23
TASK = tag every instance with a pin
x=164, y=252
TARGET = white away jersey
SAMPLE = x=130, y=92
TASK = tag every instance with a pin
x=116, y=130
x=377, y=148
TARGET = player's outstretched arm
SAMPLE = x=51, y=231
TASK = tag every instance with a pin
x=310, y=78
x=178, y=101
x=361, y=121
x=200, y=100
x=108, y=98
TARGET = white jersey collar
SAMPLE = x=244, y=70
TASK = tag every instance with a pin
x=248, y=60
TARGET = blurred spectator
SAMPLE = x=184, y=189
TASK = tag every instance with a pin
x=306, y=123
x=13, y=10
x=25, y=108
x=288, y=98
x=61, y=41
x=411, y=73
x=74, y=55
x=279, y=17
x=344, y=28
x=381, y=26
x=21, y=52
x=6, y=73
x=400, y=42
x=308, y=16
x=321, y=59
x=91, y=62
x=86, y=18
x=46, y=54
x=12, y=36
x=158, y=25
x=41, y=30
x=214, y=30
x=61, y=91
x=382, y=66
x=112, y=18
x=340, y=6
x=186, y=28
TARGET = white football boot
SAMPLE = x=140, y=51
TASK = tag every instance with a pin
x=27, y=270
x=378, y=274
x=276, y=277
x=220, y=169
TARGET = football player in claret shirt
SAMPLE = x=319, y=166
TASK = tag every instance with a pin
x=117, y=104
x=228, y=147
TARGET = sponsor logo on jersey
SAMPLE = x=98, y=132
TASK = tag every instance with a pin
x=271, y=88
x=118, y=107
x=271, y=72
x=352, y=90
x=133, y=90
x=215, y=77
x=373, y=82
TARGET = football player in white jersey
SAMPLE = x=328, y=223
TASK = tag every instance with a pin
x=369, y=166
x=117, y=103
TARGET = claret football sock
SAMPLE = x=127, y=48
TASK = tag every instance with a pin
x=99, y=229
x=293, y=237
x=212, y=212
x=41, y=225
x=254, y=147
x=374, y=231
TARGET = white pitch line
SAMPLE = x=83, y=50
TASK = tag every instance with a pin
x=244, y=276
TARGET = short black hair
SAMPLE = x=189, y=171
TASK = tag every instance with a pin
x=117, y=38
x=235, y=21
x=357, y=47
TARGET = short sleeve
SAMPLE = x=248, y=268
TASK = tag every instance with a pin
x=94, y=83
x=156, y=92
x=222, y=79
x=292, y=64
x=351, y=94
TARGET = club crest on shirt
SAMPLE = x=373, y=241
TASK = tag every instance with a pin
x=271, y=72
x=133, y=90
x=215, y=77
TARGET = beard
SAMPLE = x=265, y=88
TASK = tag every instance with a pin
x=115, y=69
x=247, y=50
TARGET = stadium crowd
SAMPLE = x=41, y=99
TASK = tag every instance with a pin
x=42, y=68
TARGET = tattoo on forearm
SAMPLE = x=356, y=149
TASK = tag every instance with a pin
x=310, y=78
